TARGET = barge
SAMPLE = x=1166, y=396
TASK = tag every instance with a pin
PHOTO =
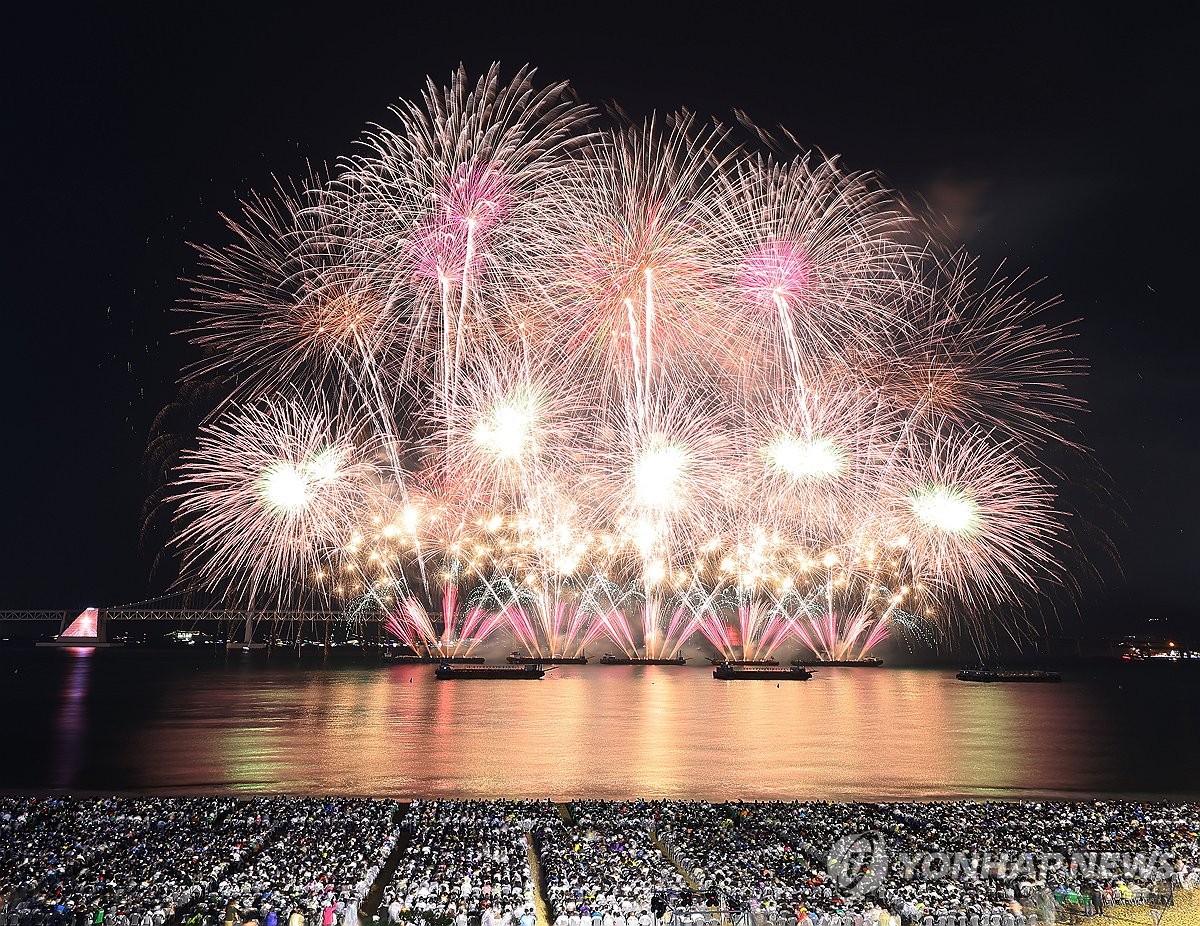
x=609, y=659
x=518, y=658
x=727, y=672
x=448, y=672
x=1003, y=675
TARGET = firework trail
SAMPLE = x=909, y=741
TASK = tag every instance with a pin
x=511, y=370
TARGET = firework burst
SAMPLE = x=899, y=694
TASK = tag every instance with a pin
x=268, y=495
x=511, y=371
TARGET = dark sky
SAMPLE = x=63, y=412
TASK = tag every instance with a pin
x=1055, y=141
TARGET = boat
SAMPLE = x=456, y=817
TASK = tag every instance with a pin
x=729, y=672
x=410, y=659
x=871, y=662
x=448, y=672
x=1004, y=675
x=610, y=659
x=517, y=658
x=742, y=662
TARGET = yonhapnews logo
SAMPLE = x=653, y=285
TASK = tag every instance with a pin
x=858, y=863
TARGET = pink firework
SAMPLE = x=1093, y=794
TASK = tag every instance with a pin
x=450, y=246
x=437, y=252
x=779, y=270
x=476, y=198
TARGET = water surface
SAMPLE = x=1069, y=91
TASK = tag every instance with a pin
x=193, y=723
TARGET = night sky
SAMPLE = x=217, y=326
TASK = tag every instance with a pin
x=1048, y=141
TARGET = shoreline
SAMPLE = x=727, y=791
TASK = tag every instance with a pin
x=1041, y=797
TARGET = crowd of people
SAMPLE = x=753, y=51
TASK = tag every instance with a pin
x=959, y=863
x=467, y=862
x=277, y=861
x=327, y=857
x=604, y=867
x=1142, y=843
x=202, y=861
x=768, y=860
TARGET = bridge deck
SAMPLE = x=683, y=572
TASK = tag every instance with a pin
x=181, y=615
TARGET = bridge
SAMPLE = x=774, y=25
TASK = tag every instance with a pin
x=91, y=626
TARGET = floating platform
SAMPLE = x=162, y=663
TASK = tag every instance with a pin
x=727, y=672
x=871, y=662
x=79, y=643
x=411, y=659
x=610, y=659
x=1002, y=675
x=447, y=672
x=520, y=659
x=743, y=662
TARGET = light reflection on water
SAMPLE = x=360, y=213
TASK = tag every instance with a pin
x=142, y=722
x=71, y=725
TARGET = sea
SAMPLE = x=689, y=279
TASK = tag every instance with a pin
x=210, y=722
